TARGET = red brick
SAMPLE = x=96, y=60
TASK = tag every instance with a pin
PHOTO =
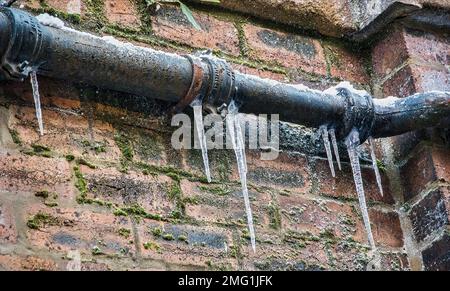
x=287, y=172
x=172, y=24
x=431, y=214
x=8, y=231
x=28, y=263
x=342, y=187
x=29, y=173
x=227, y=209
x=427, y=47
x=150, y=192
x=81, y=230
x=204, y=244
x=401, y=84
x=389, y=53
x=122, y=12
x=425, y=167
x=386, y=228
x=67, y=6
x=346, y=65
x=289, y=50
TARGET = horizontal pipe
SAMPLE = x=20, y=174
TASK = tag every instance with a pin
x=64, y=53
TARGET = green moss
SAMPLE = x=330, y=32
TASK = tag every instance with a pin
x=50, y=203
x=124, y=232
x=96, y=251
x=80, y=184
x=182, y=238
x=97, y=147
x=168, y=236
x=243, y=45
x=43, y=194
x=137, y=211
x=41, y=219
x=157, y=231
x=83, y=161
x=15, y=136
x=381, y=166
x=70, y=17
x=125, y=146
x=151, y=246
x=70, y=158
x=39, y=150
x=328, y=236
x=274, y=216
x=221, y=190
x=95, y=14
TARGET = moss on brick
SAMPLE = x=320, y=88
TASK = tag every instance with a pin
x=274, y=215
x=42, y=219
x=124, y=232
x=15, y=137
x=151, y=246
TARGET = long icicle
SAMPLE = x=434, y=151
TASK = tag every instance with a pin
x=37, y=101
x=237, y=141
x=352, y=143
x=375, y=166
x=198, y=118
x=326, y=142
x=332, y=133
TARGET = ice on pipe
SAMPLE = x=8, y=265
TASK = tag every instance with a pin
x=237, y=140
x=352, y=142
x=37, y=101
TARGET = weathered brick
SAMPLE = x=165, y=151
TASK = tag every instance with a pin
x=287, y=172
x=30, y=263
x=67, y=6
x=91, y=233
x=147, y=191
x=8, y=231
x=401, y=84
x=342, y=187
x=122, y=12
x=425, y=167
x=29, y=173
x=224, y=204
x=198, y=247
x=346, y=65
x=386, y=228
x=431, y=214
x=437, y=256
x=169, y=22
x=289, y=50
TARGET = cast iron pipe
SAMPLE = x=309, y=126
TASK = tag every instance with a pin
x=26, y=45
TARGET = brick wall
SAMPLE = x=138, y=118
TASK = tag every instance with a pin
x=104, y=180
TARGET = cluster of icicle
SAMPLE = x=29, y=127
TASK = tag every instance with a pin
x=238, y=143
x=234, y=130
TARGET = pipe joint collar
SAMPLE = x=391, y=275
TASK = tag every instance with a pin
x=359, y=114
x=25, y=43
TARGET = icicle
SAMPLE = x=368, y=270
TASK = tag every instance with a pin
x=237, y=141
x=335, y=147
x=37, y=101
x=198, y=118
x=375, y=166
x=326, y=142
x=352, y=143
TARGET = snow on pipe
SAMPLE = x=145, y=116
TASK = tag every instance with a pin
x=57, y=51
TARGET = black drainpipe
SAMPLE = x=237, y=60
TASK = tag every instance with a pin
x=27, y=45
